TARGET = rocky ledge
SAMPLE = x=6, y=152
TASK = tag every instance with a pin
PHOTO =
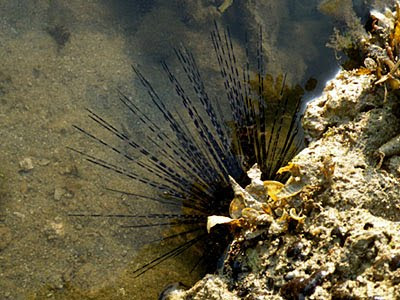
x=348, y=190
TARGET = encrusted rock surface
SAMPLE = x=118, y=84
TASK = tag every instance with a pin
x=349, y=244
x=210, y=287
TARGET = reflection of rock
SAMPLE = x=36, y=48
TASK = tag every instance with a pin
x=196, y=12
x=166, y=29
x=174, y=18
x=382, y=4
x=339, y=9
x=293, y=35
x=270, y=15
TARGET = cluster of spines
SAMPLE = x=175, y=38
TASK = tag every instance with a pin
x=197, y=162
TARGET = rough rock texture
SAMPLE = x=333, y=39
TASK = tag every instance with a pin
x=210, y=287
x=349, y=244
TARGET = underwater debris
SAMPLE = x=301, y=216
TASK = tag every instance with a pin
x=203, y=161
x=225, y=5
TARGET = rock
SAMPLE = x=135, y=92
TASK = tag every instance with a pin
x=59, y=193
x=54, y=230
x=211, y=287
x=70, y=170
x=44, y=162
x=26, y=164
x=352, y=208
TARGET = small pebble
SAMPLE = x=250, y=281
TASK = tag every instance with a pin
x=54, y=231
x=59, y=193
x=44, y=162
x=70, y=171
x=26, y=164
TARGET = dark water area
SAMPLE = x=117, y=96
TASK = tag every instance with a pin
x=59, y=58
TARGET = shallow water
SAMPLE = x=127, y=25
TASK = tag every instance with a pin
x=59, y=57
